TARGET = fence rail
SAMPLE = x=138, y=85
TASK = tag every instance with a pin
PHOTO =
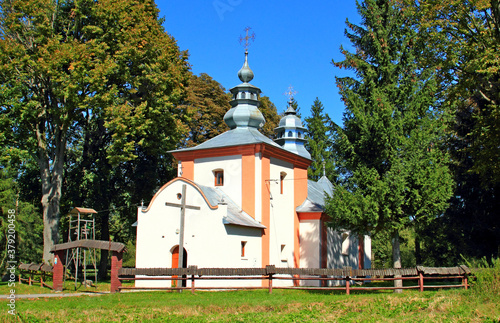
x=269, y=273
x=32, y=271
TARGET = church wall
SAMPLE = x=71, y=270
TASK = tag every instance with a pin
x=208, y=242
x=368, y=251
x=310, y=253
x=282, y=211
x=203, y=174
x=343, y=252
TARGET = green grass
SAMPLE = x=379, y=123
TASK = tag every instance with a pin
x=478, y=304
x=259, y=306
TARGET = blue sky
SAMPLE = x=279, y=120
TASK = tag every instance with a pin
x=295, y=42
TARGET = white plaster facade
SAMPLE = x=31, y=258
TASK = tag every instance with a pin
x=263, y=212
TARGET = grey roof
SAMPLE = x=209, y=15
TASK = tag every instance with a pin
x=235, y=215
x=316, y=194
x=235, y=137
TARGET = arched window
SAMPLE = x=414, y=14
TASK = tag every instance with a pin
x=218, y=177
x=282, y=181
x=289, y=134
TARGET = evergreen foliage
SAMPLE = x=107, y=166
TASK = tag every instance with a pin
x=26, y=223
x=319, y=143
x=394, y=172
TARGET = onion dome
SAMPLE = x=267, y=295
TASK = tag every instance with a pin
x=291, y=134
x=244, y=110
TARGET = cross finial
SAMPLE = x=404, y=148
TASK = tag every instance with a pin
x=290, y=93
x=246, y=40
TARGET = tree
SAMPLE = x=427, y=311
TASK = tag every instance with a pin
x=394, y=172
x=319, y=143
x=206, y=104
x=463, y=43
x=20, y=223
x=69, y=66
x=463, y=40
x=270, y=113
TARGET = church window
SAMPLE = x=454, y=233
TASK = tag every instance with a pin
x=345, y=244
x=289, y=134
x=282, y=181
x=243, y=245
x=283, y=252
x=300, y=135
x=219, y=177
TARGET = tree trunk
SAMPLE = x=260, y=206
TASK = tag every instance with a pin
x=103, y=264
x=50, y=225
x=51, y=180
x=396, y=258
x=418, y=252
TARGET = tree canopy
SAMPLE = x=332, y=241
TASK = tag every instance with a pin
x=319, y=143
x=393, y=171
x=68, y=66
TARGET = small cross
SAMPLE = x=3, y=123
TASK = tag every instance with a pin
x=290, y=93
x=247, y=38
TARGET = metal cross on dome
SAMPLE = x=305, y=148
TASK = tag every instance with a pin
x=246, y=40
x=290, y=93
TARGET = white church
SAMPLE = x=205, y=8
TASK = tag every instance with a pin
x=248, y=203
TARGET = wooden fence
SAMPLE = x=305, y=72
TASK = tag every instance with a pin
x=347, y=276
x=32, y=271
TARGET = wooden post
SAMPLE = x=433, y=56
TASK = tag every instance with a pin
x=347, y=283
x=421, y=280
x=270, y=283
x=192, y=284
x=183, y=206
x=465, y=281
x=180, y=263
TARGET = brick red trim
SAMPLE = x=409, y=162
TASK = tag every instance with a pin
x=58, y=271
x=116, y=265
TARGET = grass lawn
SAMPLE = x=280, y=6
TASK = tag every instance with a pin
x=456, y=305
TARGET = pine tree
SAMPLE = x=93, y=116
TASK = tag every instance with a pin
x=394, y=172
x=319, y=143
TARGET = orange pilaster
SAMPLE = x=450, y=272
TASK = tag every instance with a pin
x=248, y=184
x=188, y=169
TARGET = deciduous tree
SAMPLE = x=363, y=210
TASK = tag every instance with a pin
x=65, y=65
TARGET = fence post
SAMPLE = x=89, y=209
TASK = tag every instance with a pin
x=347, y=283
x=270, y=283
x=465, y=281
x=421, y=280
